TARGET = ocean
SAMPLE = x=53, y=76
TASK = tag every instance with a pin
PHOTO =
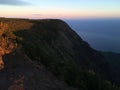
x=101, y=34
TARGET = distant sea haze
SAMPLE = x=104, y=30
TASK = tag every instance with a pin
x=101, y=34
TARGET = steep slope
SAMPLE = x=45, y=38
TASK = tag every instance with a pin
x=47, y=54
x=114, y=61
x=18, y=71
x=57, y=39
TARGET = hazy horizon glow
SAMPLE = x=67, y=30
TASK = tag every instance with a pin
x=60, y=8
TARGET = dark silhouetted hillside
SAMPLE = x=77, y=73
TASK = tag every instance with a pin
x=114, y=61
x=49, y=55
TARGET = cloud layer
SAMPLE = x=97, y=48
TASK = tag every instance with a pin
x=13, y=2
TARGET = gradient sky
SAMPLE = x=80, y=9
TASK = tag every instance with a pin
x=60, y=8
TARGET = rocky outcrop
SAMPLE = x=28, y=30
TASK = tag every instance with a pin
x=7, y=45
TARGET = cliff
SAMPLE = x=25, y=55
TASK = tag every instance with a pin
x=49, y=55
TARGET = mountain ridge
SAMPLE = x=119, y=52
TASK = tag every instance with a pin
x=55, y=45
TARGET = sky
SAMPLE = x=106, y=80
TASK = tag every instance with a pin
x=39, y=9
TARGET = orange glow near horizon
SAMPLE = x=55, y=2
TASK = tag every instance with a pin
x=35, y=13
x=68, y=15
x=61, y=9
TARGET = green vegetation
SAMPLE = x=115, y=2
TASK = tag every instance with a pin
x=114, y=61
x=54, y=45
